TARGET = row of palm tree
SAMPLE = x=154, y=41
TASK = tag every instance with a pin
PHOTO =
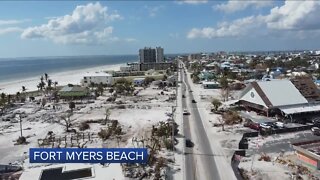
x=45, y=81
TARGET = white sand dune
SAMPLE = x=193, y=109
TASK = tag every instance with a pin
x=63, y=78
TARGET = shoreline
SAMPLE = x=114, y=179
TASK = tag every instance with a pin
x=63, y=78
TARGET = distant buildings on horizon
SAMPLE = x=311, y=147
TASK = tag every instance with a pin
x=151, y=55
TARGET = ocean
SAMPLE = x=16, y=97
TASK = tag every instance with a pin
x=21, y=68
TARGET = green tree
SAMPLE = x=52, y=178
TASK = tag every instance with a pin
x=195, y=79
x=216, y=103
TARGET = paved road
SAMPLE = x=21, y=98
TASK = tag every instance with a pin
x=204, y=153
x=190, y=165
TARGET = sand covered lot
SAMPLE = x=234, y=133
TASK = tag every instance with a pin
x=135, y=116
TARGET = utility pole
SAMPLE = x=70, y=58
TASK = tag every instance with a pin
x=20, y=124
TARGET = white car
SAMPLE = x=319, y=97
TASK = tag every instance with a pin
x=186, y=112
x=315, y=131
x=279, y=124
x=265, y=126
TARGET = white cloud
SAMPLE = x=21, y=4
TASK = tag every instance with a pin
x=227, y=29
x=10, y=30
x=12, y=21
x=86, y=25
x=295, y=15
x=192, y=1
x=153, y=11
x=233, y=6
x=299, y=17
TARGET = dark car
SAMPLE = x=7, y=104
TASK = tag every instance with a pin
x=189, y=143
x=194, y=101
x=254, y=126
x=183, y=96
x=271, y=124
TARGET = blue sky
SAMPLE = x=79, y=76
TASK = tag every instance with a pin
x=60, y=28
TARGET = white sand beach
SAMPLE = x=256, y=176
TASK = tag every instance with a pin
x=63, y=78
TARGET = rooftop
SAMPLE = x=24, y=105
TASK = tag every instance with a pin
x=103, y=74
x=281, y=92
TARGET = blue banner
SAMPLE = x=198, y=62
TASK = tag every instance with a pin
x=88, y=155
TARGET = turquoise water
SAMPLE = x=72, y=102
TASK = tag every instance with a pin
x=20, y=68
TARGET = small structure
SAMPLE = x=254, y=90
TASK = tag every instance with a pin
x=210, y=84
x=97, y=78
x=206, y=75
x=138, y=81
x=126, y=68
x=308, y=152
x=73, y=92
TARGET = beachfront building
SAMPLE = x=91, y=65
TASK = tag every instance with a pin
x=154, y=66
x=97, y=78
x=147, y=55
x=159, y=55
x=126, y=68
x=73, y=92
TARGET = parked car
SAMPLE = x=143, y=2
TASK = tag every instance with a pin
x=315, y=131
x=254, y=126
x=194, y=101
x=186, y=112
x=183, y=96
x=265, y=125
x=279, y=124
x=189, y=143
x=271, y=124
x=316, y=122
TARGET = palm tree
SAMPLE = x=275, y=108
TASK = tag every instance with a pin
x=100, y=89
x=3, y=99
x=55, y=84
x=18, y=96
x=72, y=105
x=49, y=83
x=9, y=98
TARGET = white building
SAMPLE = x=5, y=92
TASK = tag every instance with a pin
x=97, y=78
x=126, y=68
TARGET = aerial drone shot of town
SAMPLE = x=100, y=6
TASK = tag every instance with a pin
x=164, y=90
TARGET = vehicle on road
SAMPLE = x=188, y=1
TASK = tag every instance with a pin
x=186, y=112
x=265, y=125
x=189, y=143
x=183, y=96
x=279, y=124
x=190, y=90
x=194, y=101
x=315, y=131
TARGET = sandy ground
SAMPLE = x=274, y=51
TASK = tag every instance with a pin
x=141, y=113
x=63, y=78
